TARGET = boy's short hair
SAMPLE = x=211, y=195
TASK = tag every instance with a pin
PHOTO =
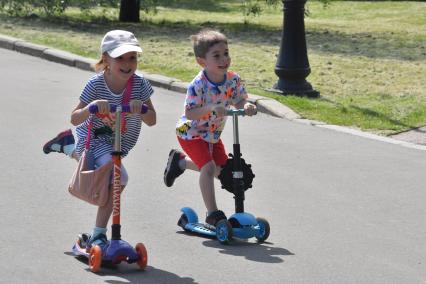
x=205, y=39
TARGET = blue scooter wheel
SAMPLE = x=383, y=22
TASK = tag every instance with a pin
x=224, y=231
x=264, y=230
x=183, y=220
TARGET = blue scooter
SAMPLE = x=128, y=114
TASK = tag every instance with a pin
x=236, y=177
x=116, y=250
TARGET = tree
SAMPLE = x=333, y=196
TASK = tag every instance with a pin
x=129, y=11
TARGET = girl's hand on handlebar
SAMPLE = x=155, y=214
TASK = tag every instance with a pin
x=135, y=106
x=109, y=120
x=103, y=106
x=250, y=109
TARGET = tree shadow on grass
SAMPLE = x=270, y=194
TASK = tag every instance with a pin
x=372, y=113
x=385, y=45
x=202, y=5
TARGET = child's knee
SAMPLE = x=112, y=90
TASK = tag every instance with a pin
x=124, y=176
x=209, y=169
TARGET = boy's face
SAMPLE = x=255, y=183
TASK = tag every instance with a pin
x=216, y=62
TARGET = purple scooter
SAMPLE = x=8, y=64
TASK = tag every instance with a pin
x=116, y=250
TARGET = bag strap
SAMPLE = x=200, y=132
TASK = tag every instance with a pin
x=89, y=130
x=127, y=92
x=124, y=101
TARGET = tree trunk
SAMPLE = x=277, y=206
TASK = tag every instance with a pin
x=129, y=11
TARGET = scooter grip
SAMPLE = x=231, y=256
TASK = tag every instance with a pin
x=126, y=108
x=93, y=109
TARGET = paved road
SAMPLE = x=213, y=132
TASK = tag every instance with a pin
x=343, y=209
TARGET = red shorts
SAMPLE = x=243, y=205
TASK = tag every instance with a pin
x=198, y=151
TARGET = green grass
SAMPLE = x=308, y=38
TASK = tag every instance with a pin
x=368, y=59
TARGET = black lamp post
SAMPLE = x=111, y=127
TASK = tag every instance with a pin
x=292, y=66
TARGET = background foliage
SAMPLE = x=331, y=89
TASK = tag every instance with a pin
x=57, y=7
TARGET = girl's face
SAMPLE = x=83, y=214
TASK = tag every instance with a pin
x=216, y=62
x=122, y=67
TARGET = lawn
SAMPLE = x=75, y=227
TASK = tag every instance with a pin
x=368, y=59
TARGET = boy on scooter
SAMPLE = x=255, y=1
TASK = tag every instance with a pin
x=210, y=94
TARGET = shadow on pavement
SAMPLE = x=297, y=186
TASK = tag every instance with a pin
x=130, y=273
x=264, y=252
x=253, y=251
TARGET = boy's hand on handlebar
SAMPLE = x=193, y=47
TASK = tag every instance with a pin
x=250, y=109
x=220, y=111
x=135, y=106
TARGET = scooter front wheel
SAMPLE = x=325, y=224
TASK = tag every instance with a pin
x=224, y=231
x=143, y=255
x=95, y=258
x=264, y=231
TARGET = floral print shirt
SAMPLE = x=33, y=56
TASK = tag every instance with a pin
x=201, y=91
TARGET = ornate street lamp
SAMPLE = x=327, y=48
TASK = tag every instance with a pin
x=292, y=66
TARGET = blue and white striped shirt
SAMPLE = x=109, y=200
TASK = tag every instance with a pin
x=97, y=89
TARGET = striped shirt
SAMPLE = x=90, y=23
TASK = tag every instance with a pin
x=97, y=89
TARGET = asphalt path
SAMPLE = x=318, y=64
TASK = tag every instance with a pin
x=342, y=208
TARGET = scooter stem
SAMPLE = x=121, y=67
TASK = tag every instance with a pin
x=235, y=126
x=238, y=181
x=116, y=185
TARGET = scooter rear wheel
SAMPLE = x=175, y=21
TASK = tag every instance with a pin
x=95, y=258
x=183, y=220
x=143, y=255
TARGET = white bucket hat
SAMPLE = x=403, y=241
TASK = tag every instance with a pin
x=118, y=42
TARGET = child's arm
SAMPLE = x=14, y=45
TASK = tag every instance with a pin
x=81, y=111
x=200, y=112
x=249, y=108
x=150, y=117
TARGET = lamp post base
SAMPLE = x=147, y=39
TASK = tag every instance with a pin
x=298, y=88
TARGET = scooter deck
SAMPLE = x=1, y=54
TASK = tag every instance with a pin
x=77, y=250
x=115, y=252
x=200, y=228
x=244, y=225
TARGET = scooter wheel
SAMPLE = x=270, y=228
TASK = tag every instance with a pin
x=264, y=231
x=183, y=220
x=143, y=255
x=95, y=258
x=224, y=231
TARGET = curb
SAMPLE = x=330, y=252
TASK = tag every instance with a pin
x=264, y=105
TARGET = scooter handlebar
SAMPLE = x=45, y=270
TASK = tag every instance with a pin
x=240, y=112
x=113, y=108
